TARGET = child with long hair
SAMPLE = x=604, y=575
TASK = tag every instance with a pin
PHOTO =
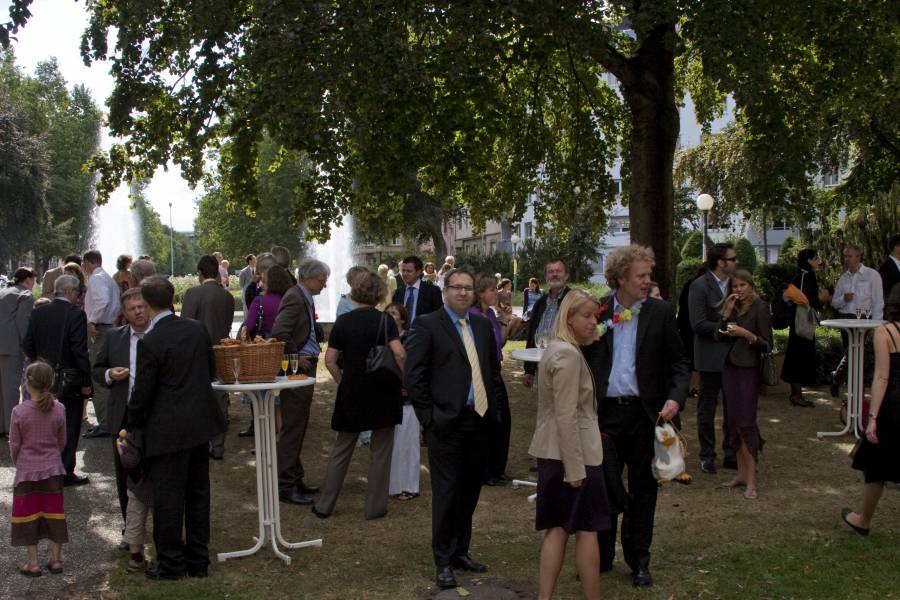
x=37, y=435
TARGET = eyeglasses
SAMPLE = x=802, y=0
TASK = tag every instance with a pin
x=461, y=288
x=732, y=259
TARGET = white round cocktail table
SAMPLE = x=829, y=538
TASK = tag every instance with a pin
x=262, y=396
x=856, y=333
x=528, y=354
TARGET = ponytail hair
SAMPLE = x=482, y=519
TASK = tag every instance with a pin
x=39, y=376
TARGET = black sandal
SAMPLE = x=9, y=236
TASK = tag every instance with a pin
x=29, y=573
x=57, y=570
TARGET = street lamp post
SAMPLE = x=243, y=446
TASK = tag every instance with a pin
x=514, y=240
x=171, y=243
x=704, y=205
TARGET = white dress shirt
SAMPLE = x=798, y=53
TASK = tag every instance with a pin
x=865, y=285
x=101, y=301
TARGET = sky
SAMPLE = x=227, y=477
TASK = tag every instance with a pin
x=55, y=29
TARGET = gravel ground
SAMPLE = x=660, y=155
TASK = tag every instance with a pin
x=94, y=522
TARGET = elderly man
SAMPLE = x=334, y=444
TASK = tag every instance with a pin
x=140, y=270
x=858, y=291
x=213, y=306
x=543, y=315
x=295, y=325
x=57, y=333
x=51, y=275
x=101, y=304
x=246, y=275
x=115, y=368
x=16, y=304
x=641, y=374
x=705, y=298
x=452, y=376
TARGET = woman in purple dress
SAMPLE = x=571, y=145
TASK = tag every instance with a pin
x=498, y=446
x=260, y=317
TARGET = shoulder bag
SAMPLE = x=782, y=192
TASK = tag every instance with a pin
x=67, y=382
x=805, y=319
x=380, y=359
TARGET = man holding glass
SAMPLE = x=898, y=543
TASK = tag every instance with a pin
x=543, y=315
x=858, y=294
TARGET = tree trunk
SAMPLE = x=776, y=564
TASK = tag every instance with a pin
x=650, y=95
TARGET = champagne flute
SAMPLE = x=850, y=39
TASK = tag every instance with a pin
x=295, y=363
x=285, y=360
x=867, y=312
x=858, y=312
x=236, y=368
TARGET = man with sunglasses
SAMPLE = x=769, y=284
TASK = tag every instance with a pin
x=705, y=303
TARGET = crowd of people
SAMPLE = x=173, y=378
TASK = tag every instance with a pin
x=612, y=369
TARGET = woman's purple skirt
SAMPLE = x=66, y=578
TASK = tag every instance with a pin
x=558, y=504
x=741, y=388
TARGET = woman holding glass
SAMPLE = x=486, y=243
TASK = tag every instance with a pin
x=571, y=493
x=406, y=457
x=260, y=317
x=364, y=400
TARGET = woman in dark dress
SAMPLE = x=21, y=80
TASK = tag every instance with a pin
x=365, y=401
x=877, y=455
x=800, y=359
x=745, y=321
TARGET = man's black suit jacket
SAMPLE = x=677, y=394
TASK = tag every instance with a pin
x=437, y=372
x=42, y=340
x=172, y=400
x=662, y=370
x=536, y=313
x=115, y=351
x=430, y=298
x=890, y=276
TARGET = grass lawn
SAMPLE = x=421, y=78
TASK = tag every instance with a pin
x=709, y=541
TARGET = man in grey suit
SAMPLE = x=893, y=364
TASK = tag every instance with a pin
x=246, y=276
x=295, y=325
x=16, y=303
x=51, y=274
x=213, y=306
x=115, y=368
x=705, y=304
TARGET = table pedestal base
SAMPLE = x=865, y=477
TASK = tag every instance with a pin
x=855, y=386
x=267, y=484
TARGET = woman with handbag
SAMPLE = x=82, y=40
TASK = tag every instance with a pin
x=800, y=359
x=745, y=321
x=368, y=397
x=571, y=493
x=876, y=455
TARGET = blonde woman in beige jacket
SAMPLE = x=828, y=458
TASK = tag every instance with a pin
x=571, y=494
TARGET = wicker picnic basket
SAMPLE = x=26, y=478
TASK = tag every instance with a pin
x=259, y=362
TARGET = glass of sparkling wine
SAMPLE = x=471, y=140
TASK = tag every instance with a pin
x=236, y=368
x=295, y=363
x=859, y=312
x=285, y=361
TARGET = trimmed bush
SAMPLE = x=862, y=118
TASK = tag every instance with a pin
x=746, y=254
x=684, y=273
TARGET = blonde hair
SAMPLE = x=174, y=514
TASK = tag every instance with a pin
x=618, y=263
x=39, y=377
x=573, y=301
x=745, y=276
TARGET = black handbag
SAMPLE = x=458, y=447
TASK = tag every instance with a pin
x=380, y=359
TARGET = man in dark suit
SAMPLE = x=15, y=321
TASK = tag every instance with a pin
x=115, y=369
x=295, y=325
x=543, y=315
x=641, y=374
x=212, y=305
x=418, y=295
x=705, y=304
x=173, y=404
x=890, y=269
x=452, y=374
x=57, y=334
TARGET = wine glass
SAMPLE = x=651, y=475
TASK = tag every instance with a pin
x=859, y=312
x=540, y=340
x=295, y=363
x=236, y=368
x=867, y=312
x=285, y=361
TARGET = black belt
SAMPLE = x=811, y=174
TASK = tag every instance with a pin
x=103, y=324
x=622, y=400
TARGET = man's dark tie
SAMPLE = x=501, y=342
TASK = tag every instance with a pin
x=410, y=301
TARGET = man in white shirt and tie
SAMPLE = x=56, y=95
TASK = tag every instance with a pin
x=102, y=308
x=114, y=369
x=858, y=293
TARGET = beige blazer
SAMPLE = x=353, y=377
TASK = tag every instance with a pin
x=567, y=427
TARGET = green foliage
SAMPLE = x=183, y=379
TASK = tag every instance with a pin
x=787, y=254
x=771, y=280
x=746, y=254
x=156, y=241
x=578, y=251
x=686, y=270
x=693, y=245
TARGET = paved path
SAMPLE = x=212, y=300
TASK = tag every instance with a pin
x=94, y=522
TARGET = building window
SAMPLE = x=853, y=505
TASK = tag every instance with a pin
x=831, y=178
x=493, y=247
x=529, y=231
x=780, y=226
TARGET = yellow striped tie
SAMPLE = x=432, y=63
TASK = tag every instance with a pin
x=481, y=402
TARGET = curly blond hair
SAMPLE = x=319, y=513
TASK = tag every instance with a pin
x=618, y=263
